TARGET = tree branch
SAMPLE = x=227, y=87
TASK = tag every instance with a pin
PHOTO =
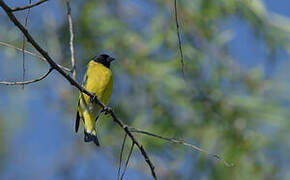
x=23, y=45
x=121, y=156
x=74, y=83
x=31, y=53
x=172, y=140
x=27, y=82
x=73, y=64
x=127, y=161
x=28, y=6
x=179, y=39
x=140, y=147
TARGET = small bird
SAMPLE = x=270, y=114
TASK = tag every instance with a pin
x=99, y=81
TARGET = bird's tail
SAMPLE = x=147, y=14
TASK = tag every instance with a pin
x=90, y=133
x=91, y=137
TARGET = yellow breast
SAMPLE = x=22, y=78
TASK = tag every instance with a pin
x=99, y=81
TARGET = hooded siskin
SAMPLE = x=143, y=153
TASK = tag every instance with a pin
x=99, y=81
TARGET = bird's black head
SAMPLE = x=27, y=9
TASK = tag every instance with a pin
x=104, y=59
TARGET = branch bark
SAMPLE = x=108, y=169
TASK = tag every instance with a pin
x=28, y=82
x=71, y=45
x=28, y=6
x=172, y=140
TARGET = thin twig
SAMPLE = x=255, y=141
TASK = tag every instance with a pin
x=172, y=140
x=71, y=33
x=23, y=45
x=31, y=53
x=28, y=6
x=179, y=39
x=77, y=85
x=121, y=156
x=28, y=82
x=128, y=159
x=140, y=147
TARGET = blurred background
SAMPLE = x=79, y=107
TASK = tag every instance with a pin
x=234, y=102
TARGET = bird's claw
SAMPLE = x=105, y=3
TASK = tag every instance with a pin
x=107, y=110
x=93, y=99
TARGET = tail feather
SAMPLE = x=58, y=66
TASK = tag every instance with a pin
x=90, y=137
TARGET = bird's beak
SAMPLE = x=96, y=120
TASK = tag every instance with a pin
x=110, y=59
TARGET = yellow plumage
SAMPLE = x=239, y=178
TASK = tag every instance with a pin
x=99, y=81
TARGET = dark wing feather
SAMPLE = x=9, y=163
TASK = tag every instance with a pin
x=77, y=124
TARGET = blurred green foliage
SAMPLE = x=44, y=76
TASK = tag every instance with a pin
x=223, y=106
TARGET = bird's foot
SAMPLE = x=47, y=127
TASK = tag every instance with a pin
x=107, y=110
x=93, y=99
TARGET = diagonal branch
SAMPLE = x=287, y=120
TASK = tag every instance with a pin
x=172, y=140
x=27, y=82
x=28, y=6
x=73, y=63
x=31, y=53
x=74, y=83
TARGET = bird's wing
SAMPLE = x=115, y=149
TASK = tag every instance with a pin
x=77, y=122
x=108, y=91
